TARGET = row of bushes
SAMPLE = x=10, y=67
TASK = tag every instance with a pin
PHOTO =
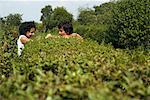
x=74, y=69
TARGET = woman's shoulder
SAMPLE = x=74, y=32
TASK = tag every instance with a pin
x=22, y=36
x=23, y=39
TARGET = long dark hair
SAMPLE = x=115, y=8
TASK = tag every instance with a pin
x=25, y=27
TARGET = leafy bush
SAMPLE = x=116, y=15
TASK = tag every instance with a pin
x=76, y=69
x=8, y=51
x=87, y=16
x=95, y=22
x=131, y=24
x=104, y=13
x=94, y=32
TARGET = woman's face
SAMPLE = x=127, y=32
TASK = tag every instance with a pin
x=62, y=32
x=30, y=33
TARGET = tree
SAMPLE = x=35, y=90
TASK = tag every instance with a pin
x=10, y=26
x=87, y=16
x=131, y=24
x=104, y=12
x=61, y=14
x=51, y=18
x=10, y=22
x=13, y=19
x=46, y=12
x=103, y=8
x=46, y=15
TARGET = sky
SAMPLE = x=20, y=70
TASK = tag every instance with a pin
x=31, y=9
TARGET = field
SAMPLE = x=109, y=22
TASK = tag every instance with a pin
x=56, y=69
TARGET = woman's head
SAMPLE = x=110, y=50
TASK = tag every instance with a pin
x=65, y=28
x=27, y=28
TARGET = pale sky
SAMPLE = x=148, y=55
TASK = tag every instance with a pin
x=31, y=9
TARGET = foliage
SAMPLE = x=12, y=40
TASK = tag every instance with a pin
x=8, y=41
x=51, y=18
x=103, y=8
x=104, y=12
x=8, y=51
x=46, y=11
x=61, y=15
x=101, y=14
x=39, y=27
x=95, y=23
x=46, y=17
x=8, y=31
x=94, y=32
x=76, y=69
x=87, y=16
x=131, y=24
x=12, y=21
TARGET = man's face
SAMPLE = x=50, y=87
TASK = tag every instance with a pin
x=62, y=32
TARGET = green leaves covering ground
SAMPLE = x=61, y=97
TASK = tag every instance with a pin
x=62, y=68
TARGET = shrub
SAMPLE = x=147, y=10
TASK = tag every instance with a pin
x=131, y=24
x=8, y=51
x=94, y=32
x=76, y=69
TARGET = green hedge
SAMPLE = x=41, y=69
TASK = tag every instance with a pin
x=75, y=69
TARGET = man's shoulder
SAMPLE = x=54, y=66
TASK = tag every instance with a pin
x=75, y=35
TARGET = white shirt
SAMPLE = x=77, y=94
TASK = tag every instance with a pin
x=20, y=45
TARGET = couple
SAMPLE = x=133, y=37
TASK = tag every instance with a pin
x=27, y=30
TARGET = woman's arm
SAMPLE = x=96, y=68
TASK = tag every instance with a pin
x=24, y=40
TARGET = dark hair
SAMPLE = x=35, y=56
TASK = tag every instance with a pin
x=68, y=28
x=25, y=27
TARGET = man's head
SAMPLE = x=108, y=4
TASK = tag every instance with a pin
x=65, y=28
